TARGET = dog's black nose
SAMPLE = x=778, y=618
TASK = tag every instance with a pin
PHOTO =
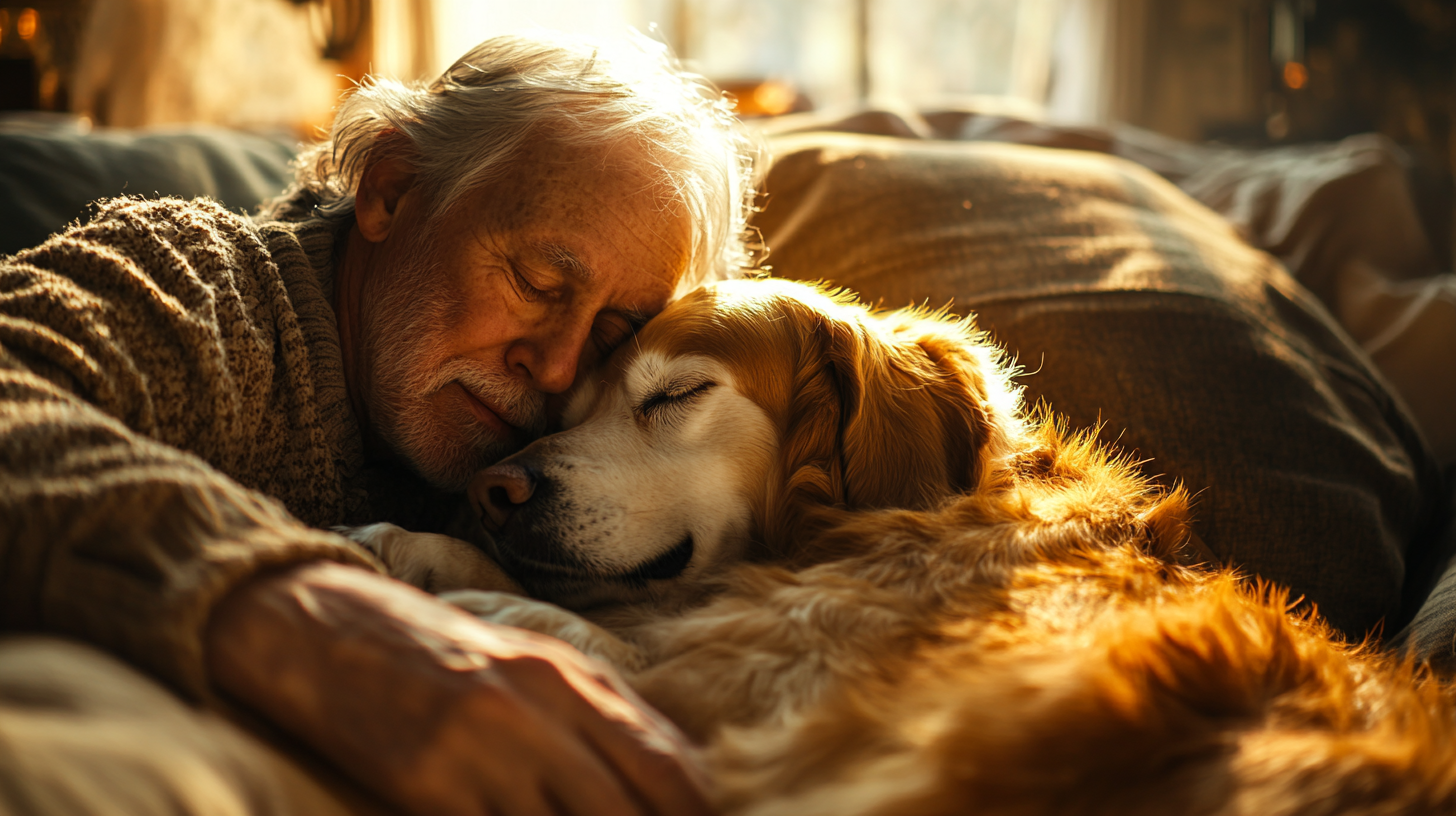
x=498, y=490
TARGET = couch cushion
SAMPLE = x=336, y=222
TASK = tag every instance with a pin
x=1133, y=306
x=1431, y=591
x=48, y=177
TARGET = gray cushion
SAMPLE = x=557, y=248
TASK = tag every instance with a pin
x=1134, y=306
x=48, y=178
x=1431, y=592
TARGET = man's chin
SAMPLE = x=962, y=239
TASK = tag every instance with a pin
x=450, y=478
x=443, y=442
x=448, y=462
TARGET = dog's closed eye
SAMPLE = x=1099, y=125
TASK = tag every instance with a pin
x=671, y=395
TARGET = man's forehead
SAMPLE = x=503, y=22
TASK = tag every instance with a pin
x=604, y=222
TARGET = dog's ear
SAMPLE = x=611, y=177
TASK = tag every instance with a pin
x=900, y=410
x=810, y=462
x=928, y=406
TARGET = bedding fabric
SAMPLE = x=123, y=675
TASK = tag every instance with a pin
x=1134, y=307
x=83, y=733
x=1431, y=633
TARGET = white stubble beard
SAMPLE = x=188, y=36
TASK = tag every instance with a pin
x=404, y=345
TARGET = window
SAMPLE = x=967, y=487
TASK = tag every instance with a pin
x=835, y=51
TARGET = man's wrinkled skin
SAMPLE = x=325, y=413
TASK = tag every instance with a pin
x=440, y=712
x=456, y=331
x=454, y=328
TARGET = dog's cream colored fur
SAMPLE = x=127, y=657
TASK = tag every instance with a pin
x=933, y=606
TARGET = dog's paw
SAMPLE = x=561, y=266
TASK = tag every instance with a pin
x=434, y=563
x=372, y=537
x=549, y=619
x=487, y=605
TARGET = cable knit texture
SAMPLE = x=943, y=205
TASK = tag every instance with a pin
x=173, y=419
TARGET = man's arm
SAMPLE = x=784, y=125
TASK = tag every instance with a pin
x=124, y=344
x=121, y=350
x=441, y=712
x=120, y=541
x=420, y=702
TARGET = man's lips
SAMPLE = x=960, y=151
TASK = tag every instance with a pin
x=485, y=413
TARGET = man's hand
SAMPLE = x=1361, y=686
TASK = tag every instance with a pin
x=440, y=712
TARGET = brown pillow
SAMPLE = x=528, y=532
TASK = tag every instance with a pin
x=1133, y=306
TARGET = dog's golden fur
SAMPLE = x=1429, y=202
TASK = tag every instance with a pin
x=900, y=410
x=1036, y=649
x=950, y=609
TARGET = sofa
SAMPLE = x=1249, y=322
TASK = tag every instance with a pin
x=1200, y=329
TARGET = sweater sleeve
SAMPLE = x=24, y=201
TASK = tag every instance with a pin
x=145, y=370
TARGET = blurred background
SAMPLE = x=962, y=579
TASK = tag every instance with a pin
x=1234, y=72
x=1243, y=71
x=1324, y=131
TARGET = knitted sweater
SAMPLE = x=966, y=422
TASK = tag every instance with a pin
x=173, y=419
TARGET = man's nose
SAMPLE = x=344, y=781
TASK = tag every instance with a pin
x=499, y=490
x=551, y=360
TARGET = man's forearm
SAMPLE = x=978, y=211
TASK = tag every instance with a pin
x=121, y=541
x=438, y=711
x=320, y=644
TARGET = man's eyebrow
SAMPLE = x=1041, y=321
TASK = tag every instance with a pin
x=565, y=260
x=562, y=258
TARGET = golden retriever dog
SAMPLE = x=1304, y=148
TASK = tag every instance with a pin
x=827, y=544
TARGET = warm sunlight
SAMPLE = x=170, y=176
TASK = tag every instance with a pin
x=834, y=51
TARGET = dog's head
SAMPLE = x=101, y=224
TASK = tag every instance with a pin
x=734, y=418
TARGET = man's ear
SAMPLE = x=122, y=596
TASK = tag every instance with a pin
x=382, y=188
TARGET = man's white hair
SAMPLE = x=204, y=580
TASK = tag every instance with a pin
x=463, y=130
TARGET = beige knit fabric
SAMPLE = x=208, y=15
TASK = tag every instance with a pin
x=172, y=420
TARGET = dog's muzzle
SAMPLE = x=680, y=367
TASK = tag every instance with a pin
x=520, y=507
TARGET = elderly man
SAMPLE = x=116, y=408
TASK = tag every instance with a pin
x=190, y=398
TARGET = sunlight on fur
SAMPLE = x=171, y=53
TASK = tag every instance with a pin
x=944, y=607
